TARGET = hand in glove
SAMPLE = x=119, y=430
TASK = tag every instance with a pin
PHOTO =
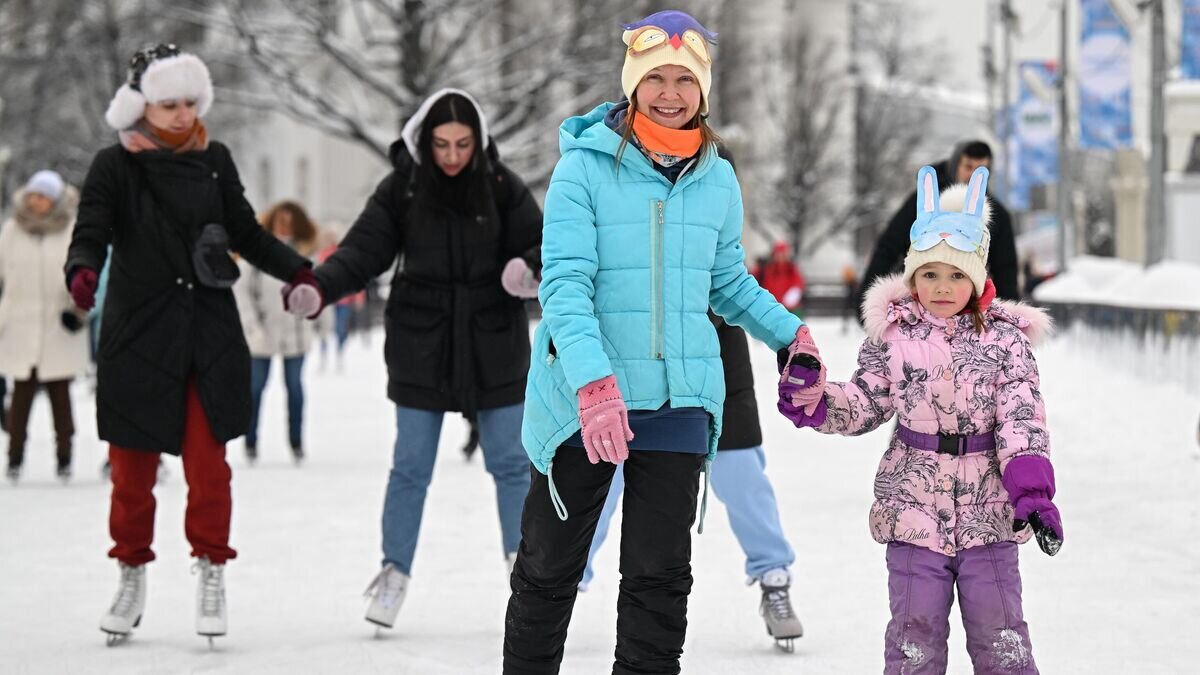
x=518, y=280
x=83, y=284
x=798, y=390
x=302, y=296
x=803, y=416
x=1029, y=480
x=70, y=321
x=604, y=421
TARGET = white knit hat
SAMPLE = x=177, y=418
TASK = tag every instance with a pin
x=667, y=38
x=962, y=212
x=47, y=183
x=156, y=74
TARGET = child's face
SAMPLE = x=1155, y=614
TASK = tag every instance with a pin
x=943, y=290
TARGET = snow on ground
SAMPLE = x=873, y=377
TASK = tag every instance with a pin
x=1122, y=597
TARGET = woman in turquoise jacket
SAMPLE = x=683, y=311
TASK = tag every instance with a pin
x=643, y=223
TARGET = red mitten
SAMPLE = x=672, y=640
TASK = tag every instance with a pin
x=83, y=283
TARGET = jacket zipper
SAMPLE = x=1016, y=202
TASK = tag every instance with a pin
x=656, y=283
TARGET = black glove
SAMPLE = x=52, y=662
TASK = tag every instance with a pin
x=1046, y=539
x=71, y=321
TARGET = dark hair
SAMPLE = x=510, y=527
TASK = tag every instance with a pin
x=470, y=189
x=304, y=230
x=976, y=313
x=707, y=135
x=976, y=150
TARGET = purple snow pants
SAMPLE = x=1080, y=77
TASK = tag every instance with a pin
x=921, y=585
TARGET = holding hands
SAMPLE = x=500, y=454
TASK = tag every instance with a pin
x=302, y=296
x=802, y=382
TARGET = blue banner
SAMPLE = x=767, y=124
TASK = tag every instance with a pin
x=1104, y=79
x=1189, y=47
x=1033, y=149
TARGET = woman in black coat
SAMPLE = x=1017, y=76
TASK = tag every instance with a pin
x=468, y=236
x=173, y=366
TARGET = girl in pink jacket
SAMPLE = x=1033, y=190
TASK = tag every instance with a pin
x=967, y=475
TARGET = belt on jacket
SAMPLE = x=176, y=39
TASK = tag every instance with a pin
x=947, y=444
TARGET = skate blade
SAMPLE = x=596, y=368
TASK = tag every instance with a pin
x=786, y=645
x=114, y=639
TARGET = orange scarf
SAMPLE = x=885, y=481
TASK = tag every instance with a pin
x=663, y=140
x=144, y=136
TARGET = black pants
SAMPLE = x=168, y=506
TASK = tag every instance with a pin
x=59, y=392
x=656, y=552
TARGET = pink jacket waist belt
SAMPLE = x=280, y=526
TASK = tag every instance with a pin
x=947, y=444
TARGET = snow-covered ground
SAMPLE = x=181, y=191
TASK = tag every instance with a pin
x=1122, y=597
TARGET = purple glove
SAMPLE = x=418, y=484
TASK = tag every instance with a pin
x=518, y=280
x=83, y=284
x=1029, y=480
x=604, y=421
x=802, y=416
x=803, y=391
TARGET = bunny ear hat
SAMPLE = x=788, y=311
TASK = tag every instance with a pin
x=951, y=227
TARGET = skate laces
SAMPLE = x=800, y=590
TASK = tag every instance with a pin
x=778, y=602
x=127, y=595
x=389, y=585
x=210, y=579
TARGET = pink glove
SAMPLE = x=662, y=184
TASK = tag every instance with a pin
x=802, y=392
x=518, y=280
x=302, y=296
x=604, y=421
x=83, y=285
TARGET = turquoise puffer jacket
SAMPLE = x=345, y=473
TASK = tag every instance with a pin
x=630, y=266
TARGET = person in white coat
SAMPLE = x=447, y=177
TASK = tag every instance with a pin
x=271, y=331
x=42, y=343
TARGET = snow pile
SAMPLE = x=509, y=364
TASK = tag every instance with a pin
x=1120, y=283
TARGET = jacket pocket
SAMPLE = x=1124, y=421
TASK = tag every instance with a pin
x=501, y=345
x=416, y=346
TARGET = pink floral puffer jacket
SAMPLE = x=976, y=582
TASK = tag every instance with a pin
x=940, y=375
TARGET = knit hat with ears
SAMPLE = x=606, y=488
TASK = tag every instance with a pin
x=947, y=225
x=156, y=74
x=667, y=38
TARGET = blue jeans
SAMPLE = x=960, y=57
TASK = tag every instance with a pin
x=260, y=369
x=341, y=324
x=739, y=481
x=417, y=433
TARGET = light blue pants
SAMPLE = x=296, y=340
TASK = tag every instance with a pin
x=739, y=481
x=417, y=433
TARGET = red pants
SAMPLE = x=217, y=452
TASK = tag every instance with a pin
x=209, y=501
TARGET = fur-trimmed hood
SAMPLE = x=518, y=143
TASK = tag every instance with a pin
x=890, y=300
x=57, y=220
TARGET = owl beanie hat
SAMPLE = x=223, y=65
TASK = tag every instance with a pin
x=666, y=38
x=156, y=74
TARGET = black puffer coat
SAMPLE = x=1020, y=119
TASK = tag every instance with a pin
x=160, y=326
x=741, y=428
x=455, y=339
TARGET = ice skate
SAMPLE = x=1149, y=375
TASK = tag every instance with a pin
x=64, y=473
x=297, y=455
x=210, y=599
x=387, y=594
x=776, y=610
x=13, y=473
x=126, y=611
x=251, y=454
